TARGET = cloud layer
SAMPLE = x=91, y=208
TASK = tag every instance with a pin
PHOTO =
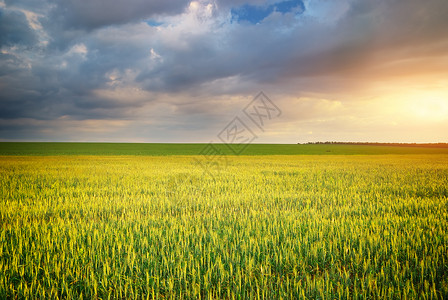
x=180, y=70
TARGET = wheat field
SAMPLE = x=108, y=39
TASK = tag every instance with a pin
x=266, y=227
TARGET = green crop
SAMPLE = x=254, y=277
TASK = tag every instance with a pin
x=264, y=227
x=49, y=149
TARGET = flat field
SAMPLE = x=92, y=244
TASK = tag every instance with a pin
x=272, y=226
x=148, y=149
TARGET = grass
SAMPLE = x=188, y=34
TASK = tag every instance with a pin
x=48, y=149
x=291, y=226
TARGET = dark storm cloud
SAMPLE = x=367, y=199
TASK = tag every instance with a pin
x=36, y=6
x=266, y=52
x=256, y=53
x=8, y=64
x=184, y=69
x=91, y=14
x=371, y=34
x=15, y=30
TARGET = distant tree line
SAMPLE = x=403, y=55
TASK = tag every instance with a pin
x=432, y=145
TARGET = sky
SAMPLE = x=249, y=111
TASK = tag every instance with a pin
x=182, y=71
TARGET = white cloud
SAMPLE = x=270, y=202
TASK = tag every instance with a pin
x=79, y=50
x=326, y=11
x=154, y=55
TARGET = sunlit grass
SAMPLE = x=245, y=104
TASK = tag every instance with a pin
x=267, y=226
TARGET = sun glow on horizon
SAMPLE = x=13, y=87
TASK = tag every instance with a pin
x=426, y=106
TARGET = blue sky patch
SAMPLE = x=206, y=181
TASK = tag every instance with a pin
x=255, y=14
x=289, y=6
x=153, y=23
